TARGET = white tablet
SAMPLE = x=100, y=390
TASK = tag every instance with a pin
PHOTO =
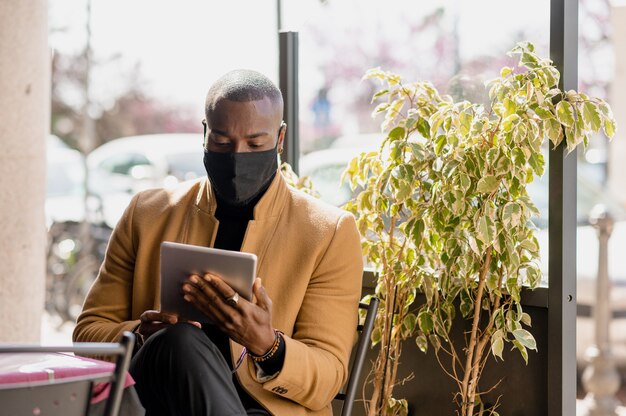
x=178, y=261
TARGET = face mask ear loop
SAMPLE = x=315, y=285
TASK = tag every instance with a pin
x=204, y=138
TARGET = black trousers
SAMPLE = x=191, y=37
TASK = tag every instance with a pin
x=180, y=372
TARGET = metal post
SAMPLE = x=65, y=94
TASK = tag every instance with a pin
x=288, y=75
x=601, y=379
x=562, y=226
x=87, y=139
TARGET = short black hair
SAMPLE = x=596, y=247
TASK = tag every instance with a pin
x=242, y=85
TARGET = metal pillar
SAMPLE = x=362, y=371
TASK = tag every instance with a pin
x=288, y=76
x=601, y=379
x=562, y=226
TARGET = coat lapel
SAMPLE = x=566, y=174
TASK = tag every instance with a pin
x=267, y=212
x=201, y=225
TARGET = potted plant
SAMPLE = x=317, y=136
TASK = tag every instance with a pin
x=444, y=210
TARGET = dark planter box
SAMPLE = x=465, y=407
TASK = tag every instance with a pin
x=523, y=390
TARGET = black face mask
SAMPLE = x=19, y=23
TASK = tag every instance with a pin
x=238, y=178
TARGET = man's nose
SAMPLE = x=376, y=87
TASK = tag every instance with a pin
x=240, y=146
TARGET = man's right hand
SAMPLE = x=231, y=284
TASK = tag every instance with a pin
x=152, y=321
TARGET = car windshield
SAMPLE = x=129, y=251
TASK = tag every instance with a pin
x=185, y=166
x=64, y=179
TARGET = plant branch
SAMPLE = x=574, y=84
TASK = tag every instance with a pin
x=473, y=339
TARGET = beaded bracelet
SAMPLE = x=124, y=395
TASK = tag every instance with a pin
x=270, y=353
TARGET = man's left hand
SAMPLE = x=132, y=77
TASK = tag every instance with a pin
x=247, y=323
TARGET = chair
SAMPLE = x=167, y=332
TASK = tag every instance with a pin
x=365, y=333
x=70, y=396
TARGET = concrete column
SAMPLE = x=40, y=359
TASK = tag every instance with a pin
x=24, y=124
x=617, y=100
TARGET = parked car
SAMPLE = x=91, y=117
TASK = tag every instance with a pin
x=65, y=191
x=122, y=167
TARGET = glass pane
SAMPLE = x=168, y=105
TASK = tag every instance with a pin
x=456, y=45
x=599, y=181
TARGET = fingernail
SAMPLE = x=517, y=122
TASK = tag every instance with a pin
x=187, y=298
x=207, y=277
x=186, y=288
x=194, y=278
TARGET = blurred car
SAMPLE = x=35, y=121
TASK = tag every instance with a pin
x=122, y=167
x=360, y=140
x=65, y=175
x=326, y=166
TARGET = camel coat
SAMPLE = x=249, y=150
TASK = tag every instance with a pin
x=309, y=259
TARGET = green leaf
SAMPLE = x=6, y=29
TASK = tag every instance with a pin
x=534, y=276
x=435, y=122
x=408, y=326
x=509, y=108
x=522, y=350
x=529, y=60
x=376, y=336
x=404, y=190
x=397, y=133
x=591, y=116
x=543, y=113
x=425, y=321
x=379, y=94
x=609, y=127
x=554, y=130
x=440, y=142
x=537, y=163
x=487, y=184
x=418, y=150
x=509, y=122
x=497, y=344
x=565, y=113
x=511, y=214
x=422, y=343
x=417, y=232
x=530, y=245
x=505, y=71
x=467, y=305
x=435, y=341
x=525, y=319
x=423, y=127
x=464, y=182
x=525, y=338
x=486, y=230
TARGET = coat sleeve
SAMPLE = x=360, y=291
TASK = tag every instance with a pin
x=107, y=309
x=317, y=353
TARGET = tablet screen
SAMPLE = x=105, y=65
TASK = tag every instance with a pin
x=178, y=261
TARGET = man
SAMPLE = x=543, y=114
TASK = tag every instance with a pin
x=298, y=330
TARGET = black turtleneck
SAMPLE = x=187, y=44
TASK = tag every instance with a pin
x=233, y=222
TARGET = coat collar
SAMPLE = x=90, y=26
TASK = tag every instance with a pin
x=270, y=204
x=202, y=226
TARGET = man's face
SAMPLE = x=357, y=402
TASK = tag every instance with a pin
x=237, y=127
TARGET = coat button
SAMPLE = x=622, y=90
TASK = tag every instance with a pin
x=280, y=390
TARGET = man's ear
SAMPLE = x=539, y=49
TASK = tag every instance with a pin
x=281, y=135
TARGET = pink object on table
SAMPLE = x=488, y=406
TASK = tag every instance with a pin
x=19, y=368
